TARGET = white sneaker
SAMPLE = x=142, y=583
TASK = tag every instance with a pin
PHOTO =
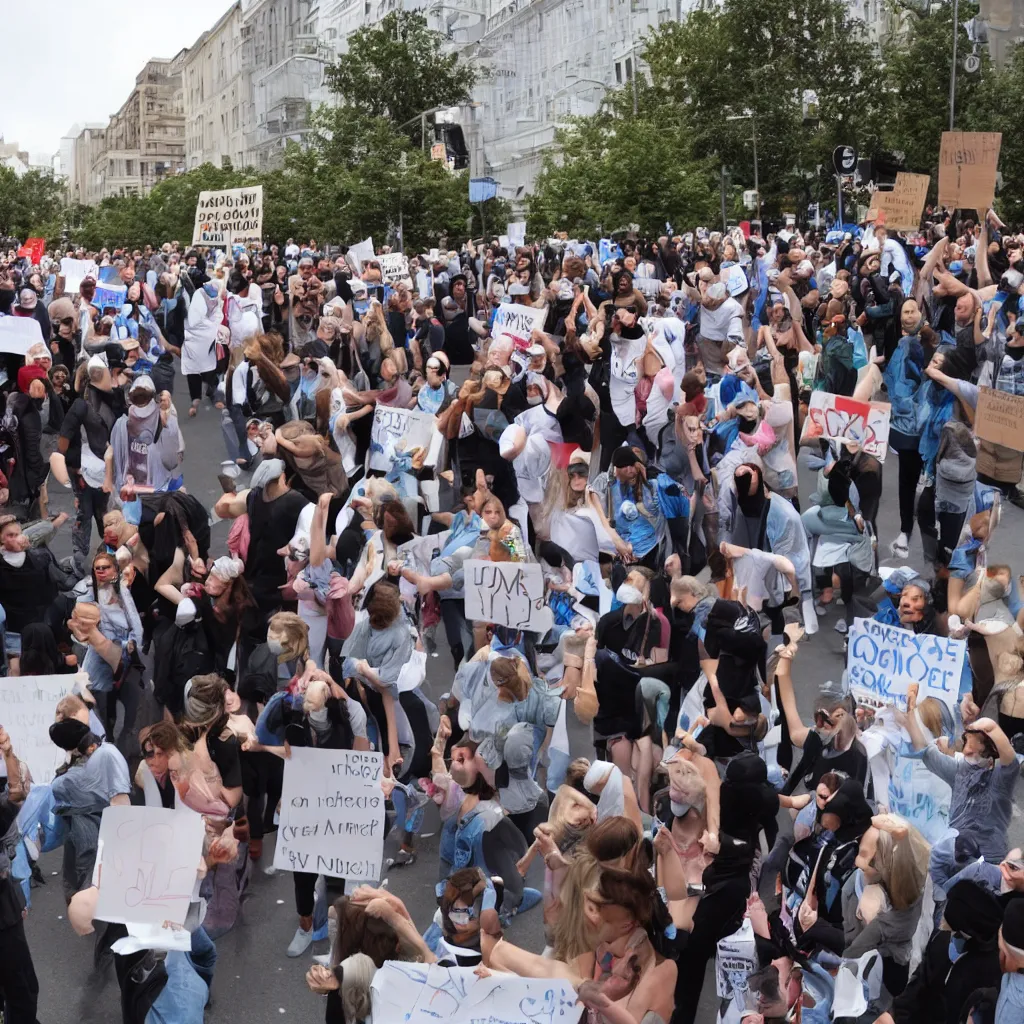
x=841, y=626
x=301, y=941
x=900, y=547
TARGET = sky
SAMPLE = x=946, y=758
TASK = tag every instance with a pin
x=78, y=66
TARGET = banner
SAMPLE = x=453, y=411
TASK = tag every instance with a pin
x=507, y=594
x=392, y=426
x=884, y=661
x=650, y=287
x=417, y=993
x=27, y=706
x=1000, y=418
x=900, y=209
x=332, y=814
x=362, y=251
x=149, y=857
x=394, y=266
x=228, y=216
x=967, y=169
x=75, y=272
x=518, y=322
x=33, y=250
x=19, y=333
x=836, y=417
x=110, y=296
x=516, y=231
x=920, y=797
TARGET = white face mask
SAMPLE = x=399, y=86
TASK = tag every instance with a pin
x=978, y=760
x=142, y=411
x=15, y=558
x=534, y=399
x=275, y=646
x=628, y=594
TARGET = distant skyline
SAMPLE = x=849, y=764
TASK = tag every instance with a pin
x=78, y=62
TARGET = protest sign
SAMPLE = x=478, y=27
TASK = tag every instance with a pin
x=429, y=994
x=900, y=208
x=516, y=231
x=397, y=430
x=507, y=594
x=362, y=251
x=109, y=275
x=884, y=661
x=75, y=272
x=27, y=706
x=148, y=862
x=229, y=215
x=920, y=797
x=110, y=296
x=650, y=287
x=19, y=333
x=33, y=250
x=424, y=284
x=836, y=417
x=332, y=814
x=735, y=961
x=967, y=169
x=519, y=322
x=394, y=266
x=1000, y=418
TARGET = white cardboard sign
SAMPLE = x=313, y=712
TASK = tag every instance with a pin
x=27, y=706
x=394, y=266
x=519, y=322
x=391, y=427
x=507, y=594
x=19, y=333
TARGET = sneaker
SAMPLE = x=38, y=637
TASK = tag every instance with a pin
x=841, y=626
x=321, y=933
x=900, y=547
x=402, y=858
x=820, y=608
x=301, y=941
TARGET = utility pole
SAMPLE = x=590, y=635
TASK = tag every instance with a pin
x=724, y=221
x=757, y=186
x=952, y=70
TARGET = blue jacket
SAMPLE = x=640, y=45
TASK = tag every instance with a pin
x=903, y=376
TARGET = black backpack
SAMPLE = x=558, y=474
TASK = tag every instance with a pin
x=181, y=653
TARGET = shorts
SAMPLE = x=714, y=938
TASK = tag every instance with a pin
x=12, y=644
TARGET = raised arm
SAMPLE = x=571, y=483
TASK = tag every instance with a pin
x=783, y=675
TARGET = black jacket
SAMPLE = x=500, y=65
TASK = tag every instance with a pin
x=29, y=469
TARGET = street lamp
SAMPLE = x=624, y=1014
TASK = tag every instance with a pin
x=753, y=129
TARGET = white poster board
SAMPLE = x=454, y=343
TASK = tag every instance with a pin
x=519, y=322
x=428, y=994
x=507, y=594
x=362, y=251
x=837, y=417
x=75, y=272
x=19, y=333
x=884, y=661
x=394, y=266
x=149, y=858
x=228, y=216
x=332, y=814
x=919, y=796
x=516, y=231
x=397, y=430
x=27, y=706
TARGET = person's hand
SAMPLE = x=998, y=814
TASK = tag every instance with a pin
x=324, y=501
x=320, y=979
x=444, y=732
x=663, y=842
x=5, y=742
x=625, y=551
x=758, y=916
x=673, y=565
x=395, y=567
x=287, y=750
x=709, y=842
x=985, y=725
x=807, y=916
x=969, y=711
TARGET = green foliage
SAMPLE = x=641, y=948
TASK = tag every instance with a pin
x=396, y=70
x=30, y=206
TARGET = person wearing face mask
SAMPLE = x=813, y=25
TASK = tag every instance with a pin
x=28, y=305
x=962, y=955
x=983, y=779
x=145, y=442
x=540, y=417
x=199, y=351
x=29, y=474
x=66, y=337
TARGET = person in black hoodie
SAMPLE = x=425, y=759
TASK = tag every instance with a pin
x=29, y=469
x=961, y=956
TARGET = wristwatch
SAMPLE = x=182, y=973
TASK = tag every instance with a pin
x=694, y=890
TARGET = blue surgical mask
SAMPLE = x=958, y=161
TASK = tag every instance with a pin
x=956, y=947
x=211, y=289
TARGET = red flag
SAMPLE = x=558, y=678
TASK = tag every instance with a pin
x=33, y=249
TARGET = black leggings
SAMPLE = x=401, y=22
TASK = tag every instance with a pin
x=305, y=889
x=262, y=776
x=612, y=434
x=195, y=384
x=910, y=473
x=943, y=527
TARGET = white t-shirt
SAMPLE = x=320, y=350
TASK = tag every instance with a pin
x=532, y=466
x=625, y=372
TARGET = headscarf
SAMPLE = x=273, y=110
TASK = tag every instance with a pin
x=972, y=911
x=517, y=790
x=852, y=809
x=228, y=568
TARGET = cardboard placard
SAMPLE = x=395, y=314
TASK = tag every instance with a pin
x=901, y=207
x=19, y=333
x=27, y=706
x=228, y=216
x=362, y=251
x=516, y=232
x=507, y=594
x=110, y=296
x=75, y=272
x=883, y=661
x=967, y=169
x=1000, y=418
x=518, y=322
x=836, y=417
x=394, y=266
x=332, y=814
x=396, y=430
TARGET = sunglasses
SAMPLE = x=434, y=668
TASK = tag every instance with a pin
x=578, y=470
x=148, y=753
x=67, y=321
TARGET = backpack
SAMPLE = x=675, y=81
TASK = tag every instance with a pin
x=181, y=653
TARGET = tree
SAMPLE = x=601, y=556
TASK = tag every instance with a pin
x=396, y=70
x=30, y=206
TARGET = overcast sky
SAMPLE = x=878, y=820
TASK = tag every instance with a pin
x=77, y=61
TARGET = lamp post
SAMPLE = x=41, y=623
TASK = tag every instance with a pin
x=753, y=136
x=952, y=70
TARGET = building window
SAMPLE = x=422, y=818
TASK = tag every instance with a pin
x=618, y=73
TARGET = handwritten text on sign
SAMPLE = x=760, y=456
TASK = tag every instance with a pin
x=391, y=427
x=230, y=215
x=967, y=169
x=518, y=322
x=883, y=661
x=394, y=266
x=835, y=417
x=1000, y=418
x=920, y=797
x=27, y=705
x=900, y=209
x=332, y=814
x=507, y=594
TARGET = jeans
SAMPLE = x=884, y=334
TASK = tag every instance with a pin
x=92, y=505
x=457, y=629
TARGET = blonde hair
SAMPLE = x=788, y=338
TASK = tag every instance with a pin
x=294, y=631
x=902, y=865
x=572, y=935
x=931, y=715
